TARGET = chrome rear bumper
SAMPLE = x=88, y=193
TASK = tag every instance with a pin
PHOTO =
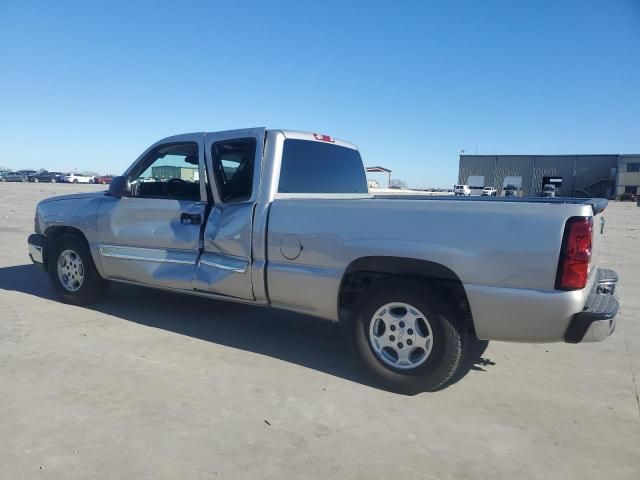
x=598, y=319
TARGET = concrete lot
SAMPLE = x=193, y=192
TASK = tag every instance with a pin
x=150, y=385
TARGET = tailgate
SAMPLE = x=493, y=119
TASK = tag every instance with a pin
x=597, y=238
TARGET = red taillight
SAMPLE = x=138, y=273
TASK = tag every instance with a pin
x=573, y=270
x=323, y=138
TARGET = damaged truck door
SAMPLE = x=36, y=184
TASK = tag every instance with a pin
x=186, y=220
x=233, y=162
x=152, y=234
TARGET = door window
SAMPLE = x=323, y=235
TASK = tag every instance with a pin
x=169, y=171
x=233, y=162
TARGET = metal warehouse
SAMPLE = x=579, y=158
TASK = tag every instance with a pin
x=607, y=176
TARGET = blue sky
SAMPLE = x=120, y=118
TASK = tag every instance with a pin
x=89, y=85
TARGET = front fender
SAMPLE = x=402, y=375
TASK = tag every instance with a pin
x=77, y=212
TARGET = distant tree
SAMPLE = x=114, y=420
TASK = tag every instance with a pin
x=397, y=183
x=89, y=173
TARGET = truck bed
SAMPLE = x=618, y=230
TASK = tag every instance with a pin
x=597, y=204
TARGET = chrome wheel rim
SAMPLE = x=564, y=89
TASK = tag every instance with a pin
x=400, y=335
x=70, y=270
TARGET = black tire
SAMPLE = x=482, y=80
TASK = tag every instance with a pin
x=75, y=180
x=92, y=283
x=446, y=325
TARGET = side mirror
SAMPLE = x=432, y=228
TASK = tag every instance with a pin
x=119, y=187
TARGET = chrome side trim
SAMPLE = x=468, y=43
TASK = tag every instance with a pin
x=226, y=262
x=148, y=254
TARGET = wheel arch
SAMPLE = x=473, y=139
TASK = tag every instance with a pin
x=56, y=231
x=365, y=271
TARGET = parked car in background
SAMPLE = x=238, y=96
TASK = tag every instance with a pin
x=57, y=177
x=19, y=176
x=549, y=190
x=628, y=197
x=44, y=176
x=60, y=177
x=462, y=190
x=489, y=192
x=285, y=219
x=511, y=191
x=103, y=180
x=77, y=178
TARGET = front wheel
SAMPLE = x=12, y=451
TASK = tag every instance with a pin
x=408, y=337
x=72, y=273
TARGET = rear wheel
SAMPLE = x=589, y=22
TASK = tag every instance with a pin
x=407, y=336
x=72, y=273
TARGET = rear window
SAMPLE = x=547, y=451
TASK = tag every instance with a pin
x=314, y=167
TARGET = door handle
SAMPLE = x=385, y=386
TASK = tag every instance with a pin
x=190, y=219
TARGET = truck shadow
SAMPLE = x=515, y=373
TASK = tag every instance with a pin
x=288, y=336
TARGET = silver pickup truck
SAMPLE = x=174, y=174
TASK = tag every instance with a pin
x=284, y=219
